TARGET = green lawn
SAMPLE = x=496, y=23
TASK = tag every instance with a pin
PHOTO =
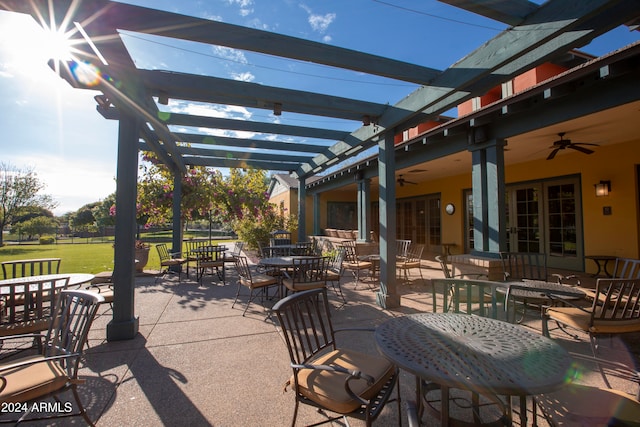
x=77, y=257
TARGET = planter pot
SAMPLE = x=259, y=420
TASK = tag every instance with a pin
x=142, y=258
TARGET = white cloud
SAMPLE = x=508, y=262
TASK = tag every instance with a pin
x=245, y=6
x=229, y=54
x=319, y=23
x=327, y=39
x=243, y=77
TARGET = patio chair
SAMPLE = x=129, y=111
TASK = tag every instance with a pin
x=413, y=259
x=344, y=381
x=307, y=273
x=449, y=275
x=32, y=379
x=235, y=252
x=479, y=297
x=335, y=270
x=191, y=254
x=30, y=267
x=353, y=263
x=523, y=265
x=615, y=310
x=580, y=405
x=402, y=247
x=252, y=281
x=211, y=257
x=23, y=312
x=170, y=261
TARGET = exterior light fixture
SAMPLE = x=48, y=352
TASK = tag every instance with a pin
x=603, y=188
x=366, y=120
x=277, y=109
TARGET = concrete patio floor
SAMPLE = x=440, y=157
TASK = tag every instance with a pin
x=198, y=362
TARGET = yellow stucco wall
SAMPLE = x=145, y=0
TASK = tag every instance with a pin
x=617, y=234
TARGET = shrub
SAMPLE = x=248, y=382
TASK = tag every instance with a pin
x=47, y=240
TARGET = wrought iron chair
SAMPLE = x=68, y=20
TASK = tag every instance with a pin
x=344, y=381
x=335, y=270
x=468, y=296
x=31, y=379
x=170, y=261
x=402, y=247
x=615, y=310
x=191, y=253
x=253, y=281
x=307, y=273
x=413, y=259
x=353, y=263
x=449, y=275
x=30, y=267
x=577, y=404
x=211, y=257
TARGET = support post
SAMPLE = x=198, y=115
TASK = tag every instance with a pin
x=387, y=296
x=124, y=324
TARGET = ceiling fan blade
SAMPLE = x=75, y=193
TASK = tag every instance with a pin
x=553, y=154
x=581, y=149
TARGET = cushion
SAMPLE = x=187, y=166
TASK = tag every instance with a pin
x=305, y=286
x=32, y=381
x=327, y=387
x=27, y=327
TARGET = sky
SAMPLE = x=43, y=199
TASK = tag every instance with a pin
x=55, y=130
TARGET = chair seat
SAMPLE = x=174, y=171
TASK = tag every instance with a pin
x=580, y=319
x=173, y=261
x=32, y=381
x=302, y=286
x=259, y=281
x=327, y=387
x=358, y=264
x=332, y=276
x=212, y=264
x=106, y=292
x=583, y=405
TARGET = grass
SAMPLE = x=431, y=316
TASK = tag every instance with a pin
x=79, y=257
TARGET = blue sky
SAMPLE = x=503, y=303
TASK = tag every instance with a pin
x=56, y=130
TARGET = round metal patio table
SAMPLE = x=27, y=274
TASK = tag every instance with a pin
x=485, y=356
x=75, y=279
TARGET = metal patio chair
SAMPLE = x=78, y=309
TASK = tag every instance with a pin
x=344, y=381
x=34, y=378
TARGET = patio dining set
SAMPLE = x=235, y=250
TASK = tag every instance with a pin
x=474, y=357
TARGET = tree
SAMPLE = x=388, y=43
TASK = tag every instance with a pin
x=38, y=226
x=19, y=189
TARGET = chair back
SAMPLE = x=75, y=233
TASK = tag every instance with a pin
x=468, y=296
x=242, y=267
x=28, y=307
x=305, y=324
x=237, y=248
x=304, y=248
x=191, y=245
x=30, y=267
x=336, y=259
x=308, y=270
x=616, y=307
x=402, y=246
x=444, y=266
x=414, y=253
x=67, y=335
x=626, y=268
x=163, y=252
x=280, y=237
x=524, y=265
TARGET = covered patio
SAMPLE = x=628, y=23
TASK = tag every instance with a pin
x=197, y=361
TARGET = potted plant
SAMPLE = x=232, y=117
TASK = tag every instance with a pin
x=141, y=255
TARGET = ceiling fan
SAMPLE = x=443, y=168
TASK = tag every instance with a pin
x=562, y=143
x=402, y=181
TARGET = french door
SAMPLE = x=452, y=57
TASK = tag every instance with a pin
x=546, y=217
x=418, y=220
x=543, y=217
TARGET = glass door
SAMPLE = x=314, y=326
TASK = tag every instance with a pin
x=524, y=218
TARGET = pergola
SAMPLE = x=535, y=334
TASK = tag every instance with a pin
x=133, y=96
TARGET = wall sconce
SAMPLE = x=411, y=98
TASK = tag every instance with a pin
x=603, y=188
x=277, y=109
x=366, y=120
